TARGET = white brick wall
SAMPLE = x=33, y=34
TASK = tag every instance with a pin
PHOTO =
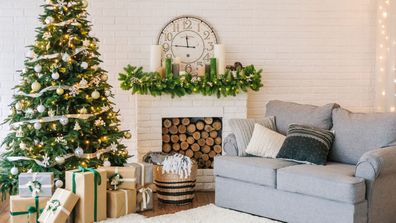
x=312, y=51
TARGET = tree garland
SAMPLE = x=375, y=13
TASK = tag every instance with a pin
x=229, y=84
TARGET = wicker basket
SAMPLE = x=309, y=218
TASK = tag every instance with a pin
x=171, y=189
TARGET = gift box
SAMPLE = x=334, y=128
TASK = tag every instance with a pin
x=36, y=184
x=144, y=199
x=144, y=173
x=59, y=207
x=120, y=177
x=120, y=202
x=90, y=185
x=26, y=209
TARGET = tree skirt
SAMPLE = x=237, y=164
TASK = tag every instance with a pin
x=205, y=214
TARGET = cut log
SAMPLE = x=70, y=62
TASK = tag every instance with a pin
x=217, y=149
x=190, y=140
x=189, y=153
x=213, y=134
x=205, y=157
x=204, y=135
x=175, y=121
x=200, y=125
x=208, y=120
x=208, y=163
x=209, y=141
x=176, y=146
x=195, y=147
x=166, y=148
x=201, y=163
x=182, y=129
x=173, y=129
x=184, y=145
x=196, y=135
x=197, y=155
x=175, y=138
x=165, y=130
x=201, y=142
x=166, y=138
x=191, y=128
x=217, y=125
x=167, y=123
x=205, y=149
x=212, y=154
x=218, y=141
x=185, y=121
x=208, y=128
x=181, y=152
x=182, y=137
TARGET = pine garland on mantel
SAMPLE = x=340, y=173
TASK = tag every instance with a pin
x=151, y=83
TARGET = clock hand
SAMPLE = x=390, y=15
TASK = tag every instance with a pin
x=181, y=46
x=187, y=41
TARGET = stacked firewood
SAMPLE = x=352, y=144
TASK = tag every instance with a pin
x=197, y=138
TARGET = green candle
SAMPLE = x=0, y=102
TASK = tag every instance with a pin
x=213, y=68
x=168, y=67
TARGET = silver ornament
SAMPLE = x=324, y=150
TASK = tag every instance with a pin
x=84, y=65
x=66, y=57
x=37, y=125
x=58, y=183
x=41, y=108
x=95, y=94
x=107, y=93
x=106, y=163
x=18, y=106
x=64, y=120
x=49, y=20
x=38, y=68
x=22, y=145
x=55, y=76
x=79, y=152
x=14, y=171
x=60, y=160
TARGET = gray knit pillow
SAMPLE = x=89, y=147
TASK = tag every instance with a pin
x=243, y=130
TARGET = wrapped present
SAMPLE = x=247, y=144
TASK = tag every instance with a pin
x=36, y=184
x=144, y=199
x=89, y=184
x=144, y=173
x=59, y=207
x=120, y=202
x=120, y=177
x=26, y=209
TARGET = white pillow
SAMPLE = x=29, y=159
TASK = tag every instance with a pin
x=265, y=142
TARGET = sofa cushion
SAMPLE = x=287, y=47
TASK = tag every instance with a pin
x=358, y=133
x=287, y=113
x=334, y=181
x=265, y=142
x=256, y=170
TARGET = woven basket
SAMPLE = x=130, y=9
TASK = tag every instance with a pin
x=171, y=189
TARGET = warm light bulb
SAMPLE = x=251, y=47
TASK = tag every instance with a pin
x=384, y=14
x=383, y=93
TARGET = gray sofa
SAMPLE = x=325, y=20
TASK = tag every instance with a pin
x=358, y=184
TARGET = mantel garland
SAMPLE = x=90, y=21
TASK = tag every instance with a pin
x=229, y=84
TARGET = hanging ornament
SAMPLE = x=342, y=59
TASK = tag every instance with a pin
x=51, y=113
x=46, y=160
x=66, y=57
x=60, y=91
x=64, y=120
x=49, y=20
x=77, y=127
x=22, y=145
x=37, y=125
x=83, y=83
x=14, y=171
x=104, y=77
x=127, y=135
x=38, y=68
x=79, y=152
x=74, y=90
x=84, y=65
x=84, y=3
x=31, y=54
x=55, y=76
x=36, y=86
x=41, y=108
x=18, y=106
x=60, y=160
x=99, y=122
x=58, y=183
x=83, y=111
x=106, y=163
x=95, y=94
x=107, y=93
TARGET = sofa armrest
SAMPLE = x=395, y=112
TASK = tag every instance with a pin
x=376, y=163
x=230, y=146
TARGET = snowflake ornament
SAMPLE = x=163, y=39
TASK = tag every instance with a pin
x=46, y=160
x=113, y=147
x=96, y=81
x=47, y=35
x=74, y=91
x=99, y=122
x=86, y=42
x=83, y=83
x=60, y=140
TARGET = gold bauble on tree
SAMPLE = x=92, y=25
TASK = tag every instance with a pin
x=36, y=86
x=104, y=77
x=127, y=135
x=60, y=91
x=95, y=94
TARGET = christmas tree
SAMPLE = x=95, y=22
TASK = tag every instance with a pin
x=61, y=116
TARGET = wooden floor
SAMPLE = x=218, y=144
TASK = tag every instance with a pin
x=201, y=198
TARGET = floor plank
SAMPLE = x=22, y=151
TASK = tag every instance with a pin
x=201, y=199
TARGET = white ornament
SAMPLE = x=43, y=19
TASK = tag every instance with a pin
x=36, y=86
x=29, y=111
x=84, y=3
x=18, y=106
x=95, y=94
x=64, y=120
x=66, y=57
x=99, y=122
x=107, y=93
x=60, y=160
x=41, y=108
x=38, y=68
x=77, y=127
x=84, y=65
x=37, y=125
x=31, y=54
x=79, y=152
x=51, y=113
x=24, y=70
x=104, y=77
x=19, y=133
x=49, y=20
x=55, y=76
x=22, y=145
x=58, y=183
x=83, y=111
x=106, y=163
x=14, y=171
x=83, y=83
x=74, y=90
x=113, y=147
x=60, y=91
x=46, y=160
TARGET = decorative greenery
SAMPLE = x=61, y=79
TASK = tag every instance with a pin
x=229, y=84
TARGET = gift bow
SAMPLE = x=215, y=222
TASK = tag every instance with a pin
x=145, y=191
x=52, y=206
x=34, y=187
x=116, y=179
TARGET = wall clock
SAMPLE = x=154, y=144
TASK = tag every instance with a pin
x=189, y=38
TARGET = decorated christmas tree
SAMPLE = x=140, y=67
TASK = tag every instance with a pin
x=61, y=116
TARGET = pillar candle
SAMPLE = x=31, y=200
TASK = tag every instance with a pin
x=168, y=67
x=176, y=69
x=213, y=68
x=219, y=54
x=207, y=69
x=155, y=57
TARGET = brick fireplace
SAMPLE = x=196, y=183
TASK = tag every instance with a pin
x=151, y=112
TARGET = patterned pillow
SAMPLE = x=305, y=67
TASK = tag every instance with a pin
x=305, y=144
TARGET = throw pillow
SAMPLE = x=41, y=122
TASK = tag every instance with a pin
x=243, y=130
x=265, y=142
x=287, y=113
x=306, y=144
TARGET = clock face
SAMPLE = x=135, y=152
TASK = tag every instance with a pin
x=189, y=38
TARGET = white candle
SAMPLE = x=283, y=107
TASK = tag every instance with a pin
x=155, y=57
x=219, y=54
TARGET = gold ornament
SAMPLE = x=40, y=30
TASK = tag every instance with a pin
x=83, y=111
x=104, y=77
x=127, y=135
x=60, y=91
x=36, y=86
x=95, y=94
x=62, y=70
